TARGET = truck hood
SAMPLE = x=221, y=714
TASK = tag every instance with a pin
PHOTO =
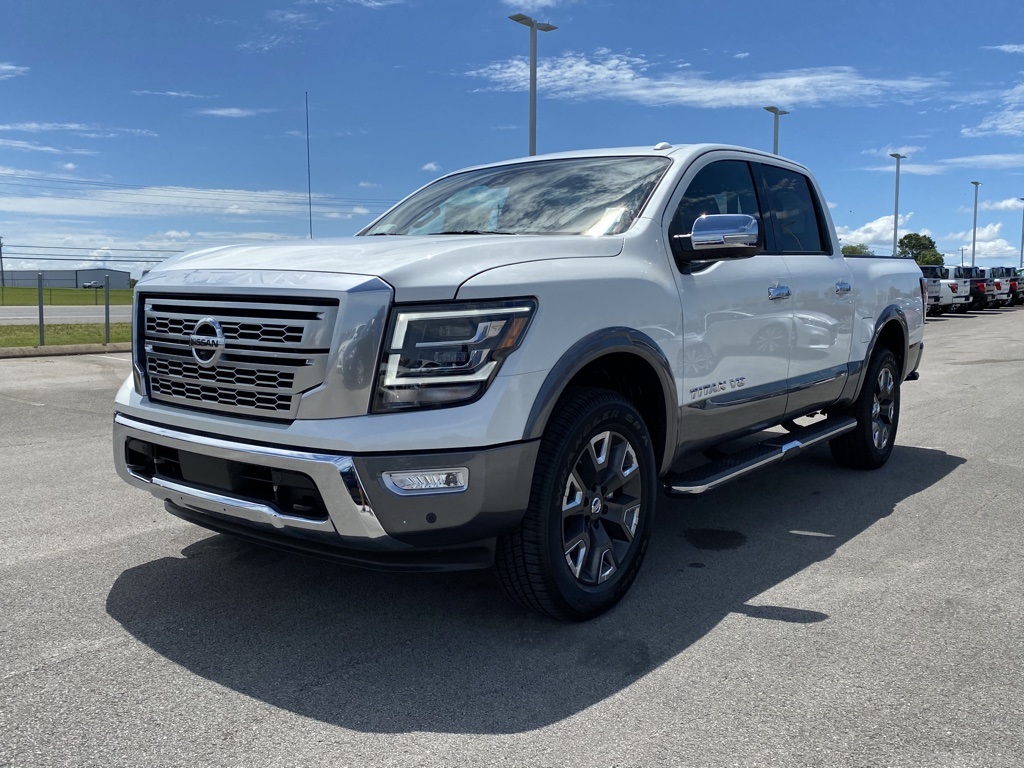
x=429, y=268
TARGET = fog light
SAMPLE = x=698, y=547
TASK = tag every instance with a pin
x=450, y=480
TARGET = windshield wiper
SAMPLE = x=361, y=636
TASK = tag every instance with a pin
x=473, y=232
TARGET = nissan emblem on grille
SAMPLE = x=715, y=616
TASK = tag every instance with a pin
x=207, y=342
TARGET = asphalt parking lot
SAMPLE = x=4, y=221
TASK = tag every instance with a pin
x=807, y=616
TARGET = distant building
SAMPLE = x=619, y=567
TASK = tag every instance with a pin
x=64, y=278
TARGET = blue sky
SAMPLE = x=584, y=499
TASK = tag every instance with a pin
x=173, y=125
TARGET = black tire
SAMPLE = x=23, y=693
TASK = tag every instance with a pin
x=877, y=411
x=585, y=533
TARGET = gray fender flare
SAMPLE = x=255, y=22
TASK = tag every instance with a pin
x=593, y=347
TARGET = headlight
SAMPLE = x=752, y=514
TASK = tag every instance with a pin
x=442, y=355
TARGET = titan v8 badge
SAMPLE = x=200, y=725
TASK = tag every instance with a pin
x=717, y=386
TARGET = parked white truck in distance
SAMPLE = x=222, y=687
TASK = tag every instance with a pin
x=508, y=367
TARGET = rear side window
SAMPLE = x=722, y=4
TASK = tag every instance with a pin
x=726, y=186
x=795, y=215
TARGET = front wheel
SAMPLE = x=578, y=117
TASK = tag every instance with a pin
x=877, y=410
x=585, y=533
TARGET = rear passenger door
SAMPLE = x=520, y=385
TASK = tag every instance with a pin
x=821, y=282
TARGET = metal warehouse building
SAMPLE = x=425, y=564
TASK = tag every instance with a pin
x=64, y=278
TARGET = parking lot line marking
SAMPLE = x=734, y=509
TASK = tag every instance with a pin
x=19, y=400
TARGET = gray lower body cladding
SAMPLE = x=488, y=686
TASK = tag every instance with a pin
x=329, y=504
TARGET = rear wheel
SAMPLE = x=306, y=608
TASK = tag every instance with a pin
x=877, y=410
x=585, y=534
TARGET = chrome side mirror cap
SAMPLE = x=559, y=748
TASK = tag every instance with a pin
x=717, y=237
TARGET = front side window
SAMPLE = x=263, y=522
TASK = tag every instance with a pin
x=794, y=212
x=722, y=187
x=578, y=196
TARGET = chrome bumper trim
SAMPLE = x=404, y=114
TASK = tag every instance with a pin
x=350, y=517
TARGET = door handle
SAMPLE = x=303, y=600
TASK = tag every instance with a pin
x=779, y=292
x=843, y=288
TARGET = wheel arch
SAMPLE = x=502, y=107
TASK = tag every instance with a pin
x=891, y=332
x=623, y=360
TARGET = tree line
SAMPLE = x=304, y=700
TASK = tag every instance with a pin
x=912, y=245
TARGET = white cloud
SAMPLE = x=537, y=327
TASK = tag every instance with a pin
x=998, y=162
x=1009, y=121
x=294, y=19
x=28, y=146
x=233, y=112
x=40, y=127
x=69, y=167
x=1005, y=48
x=431, y=166
x=876, y=234
x=333, y=5
x=741, y=55
x=627, y=77
x=88, y=131
x=173, y=202
x=265, y=43
x=988, y=232
x=357, y=210
x=368, y=184
x=172, y=94
x=1009, y=204
x=914, y=169
x=981, y=162
x=888, y=150
x=531, y=6
x=8, y=70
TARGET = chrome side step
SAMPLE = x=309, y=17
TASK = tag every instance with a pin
x=709, y=476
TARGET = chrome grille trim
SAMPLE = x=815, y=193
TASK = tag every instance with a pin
x=275, y=349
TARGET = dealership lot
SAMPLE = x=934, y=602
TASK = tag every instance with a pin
x=804, y=616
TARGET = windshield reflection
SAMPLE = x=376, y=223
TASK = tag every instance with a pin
x=579, y=196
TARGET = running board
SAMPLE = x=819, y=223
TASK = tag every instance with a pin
x=709, y=476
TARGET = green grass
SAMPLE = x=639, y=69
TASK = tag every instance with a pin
x=29, y=296
x=70, y=333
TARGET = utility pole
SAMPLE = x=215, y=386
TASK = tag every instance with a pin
x=3, y=281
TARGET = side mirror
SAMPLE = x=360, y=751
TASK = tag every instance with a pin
x=718, y=237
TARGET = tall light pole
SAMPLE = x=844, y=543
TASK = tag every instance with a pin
x=775, y=140
x=534, y=25
x=974, y=230
x=896, y=211
x=1021, y=234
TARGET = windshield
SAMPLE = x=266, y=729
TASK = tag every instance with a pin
x=579, y=196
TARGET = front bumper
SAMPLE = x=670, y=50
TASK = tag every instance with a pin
x=328, y=504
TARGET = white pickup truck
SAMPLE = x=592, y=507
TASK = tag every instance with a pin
x=508, y=367
x=945, y=293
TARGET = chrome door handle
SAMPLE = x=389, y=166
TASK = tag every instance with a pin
x=779, y=292
x=843, y=288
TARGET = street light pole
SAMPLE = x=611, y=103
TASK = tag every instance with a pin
x=534, y=25
x=974, y=229
x=896, y=211
x=1021, y=234
x=775, y=135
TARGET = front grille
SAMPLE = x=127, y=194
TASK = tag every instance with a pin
x=275, y=349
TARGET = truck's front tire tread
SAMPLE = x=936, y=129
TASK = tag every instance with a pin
x=530, y=565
